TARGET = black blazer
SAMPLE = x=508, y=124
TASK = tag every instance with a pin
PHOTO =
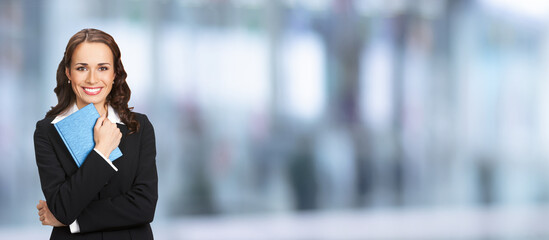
x=107, y=204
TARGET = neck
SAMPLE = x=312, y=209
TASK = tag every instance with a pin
x=101, y=107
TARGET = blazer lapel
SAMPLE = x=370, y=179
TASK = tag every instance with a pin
x=124, y=130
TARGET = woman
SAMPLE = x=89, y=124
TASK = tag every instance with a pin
x=100, y=199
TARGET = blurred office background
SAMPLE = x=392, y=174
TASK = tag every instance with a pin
x=307, y=119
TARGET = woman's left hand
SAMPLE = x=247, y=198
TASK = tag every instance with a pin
x=46, y=217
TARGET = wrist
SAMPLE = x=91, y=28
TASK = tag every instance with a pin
x=105, y=151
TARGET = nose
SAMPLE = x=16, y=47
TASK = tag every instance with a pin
x=92, y=78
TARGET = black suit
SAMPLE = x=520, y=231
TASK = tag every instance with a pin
x=107, y=204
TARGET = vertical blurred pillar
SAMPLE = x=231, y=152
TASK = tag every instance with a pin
x=274, y=28
x=32, y=37
x=280, y=162
x=32, y=48
x=155, y=18
x=20, y=70
x=339, y=176
x=446, y=167
x=343, y=39
x=400, y=35
x=26, y=107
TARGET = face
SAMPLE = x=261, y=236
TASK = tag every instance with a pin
x=91, y=73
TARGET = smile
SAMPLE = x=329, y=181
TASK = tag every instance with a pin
x=92, y=91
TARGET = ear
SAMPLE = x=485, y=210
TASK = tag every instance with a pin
x=68, y=73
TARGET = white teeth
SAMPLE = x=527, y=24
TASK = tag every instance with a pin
x=93, y=90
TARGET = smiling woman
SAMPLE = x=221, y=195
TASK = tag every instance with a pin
x=100, y=199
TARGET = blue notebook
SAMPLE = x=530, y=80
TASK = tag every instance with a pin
x=76, y=130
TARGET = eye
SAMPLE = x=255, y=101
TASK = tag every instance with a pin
x=103, y=68
x=80, y=68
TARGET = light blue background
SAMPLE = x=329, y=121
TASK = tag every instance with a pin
x=307, y=119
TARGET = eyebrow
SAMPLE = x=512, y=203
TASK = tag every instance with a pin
x=100, y=64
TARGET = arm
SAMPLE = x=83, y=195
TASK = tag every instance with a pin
x=68, y=196
x=135, y=207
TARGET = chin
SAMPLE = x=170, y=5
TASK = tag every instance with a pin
x=93, y=100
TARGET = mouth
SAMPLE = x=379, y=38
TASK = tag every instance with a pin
x=92, y=91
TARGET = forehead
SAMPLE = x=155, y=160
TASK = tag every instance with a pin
x=91, y=53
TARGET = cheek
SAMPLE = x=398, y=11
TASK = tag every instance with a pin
x=78, y=77
x=109, y=82
x=105, y=79
x=74, y=88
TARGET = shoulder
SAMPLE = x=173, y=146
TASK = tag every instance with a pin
x=44, y=122
x=43, y=127
x=144, y=122
x=146, y=129
x=141, y=118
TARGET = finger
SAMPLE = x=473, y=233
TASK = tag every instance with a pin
x=41, y=212
x=106, y=120
x=99, y=122
x=42, y=218
x=40, y=205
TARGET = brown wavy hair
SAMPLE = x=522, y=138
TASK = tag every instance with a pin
x=120, y=93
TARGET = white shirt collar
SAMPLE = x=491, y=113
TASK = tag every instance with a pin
x=112, y=115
